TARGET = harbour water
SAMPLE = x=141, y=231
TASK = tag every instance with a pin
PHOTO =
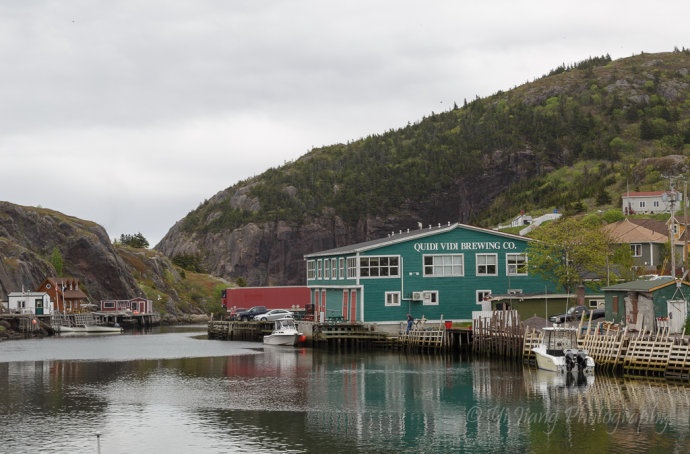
x=174, y=391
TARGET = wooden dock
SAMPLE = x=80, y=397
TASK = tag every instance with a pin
x=49, y=324
x=239, y=330
x=28, y=324
x=642, y=353
x=347, y=336
x=654, y=354
x=427, y=337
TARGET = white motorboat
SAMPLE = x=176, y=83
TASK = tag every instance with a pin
x=559, y=353
x=284, y=333
x=90, y=329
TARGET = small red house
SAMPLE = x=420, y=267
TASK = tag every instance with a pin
x=65, y=293
x=134, y=306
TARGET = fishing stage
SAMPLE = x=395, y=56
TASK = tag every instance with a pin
x=498, y=334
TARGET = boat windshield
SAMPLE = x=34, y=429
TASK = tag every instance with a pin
x=561, y=338
x=285, y=323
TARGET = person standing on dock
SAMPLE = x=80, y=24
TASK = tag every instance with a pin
x=410, y=321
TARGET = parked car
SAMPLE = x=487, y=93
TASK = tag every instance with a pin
x=572, y=314
x=274, y=314
x=251, y=313
x=232, y=315
x=598, y=314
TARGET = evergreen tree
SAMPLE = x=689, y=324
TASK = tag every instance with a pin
x=135, y=241
x=56, y=261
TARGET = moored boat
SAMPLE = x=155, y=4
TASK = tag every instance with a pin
x=284, y=333
x=559, y=353
x=89, y=329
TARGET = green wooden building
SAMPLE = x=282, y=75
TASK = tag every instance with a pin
x=437, y=272
x=648, y=303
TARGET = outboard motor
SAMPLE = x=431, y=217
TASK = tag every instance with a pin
x=570, y=361
x=581, y=361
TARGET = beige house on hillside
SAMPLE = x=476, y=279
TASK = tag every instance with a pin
x=648, y=240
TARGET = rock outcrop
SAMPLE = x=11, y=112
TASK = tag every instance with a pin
x=29, y=238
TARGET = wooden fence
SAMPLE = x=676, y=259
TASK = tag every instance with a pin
x=499, y=334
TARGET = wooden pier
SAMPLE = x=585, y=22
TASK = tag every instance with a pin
x=239, y=331
x=427, y=337
x=347, y=336
x=27, y=324
x=643, y=353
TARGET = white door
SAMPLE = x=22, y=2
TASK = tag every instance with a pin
x=677, y=313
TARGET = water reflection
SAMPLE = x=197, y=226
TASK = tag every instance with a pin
x=298, y=400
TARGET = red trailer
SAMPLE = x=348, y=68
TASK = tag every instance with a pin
x=293, y=298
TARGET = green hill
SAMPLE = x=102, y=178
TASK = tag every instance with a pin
x=574, y=139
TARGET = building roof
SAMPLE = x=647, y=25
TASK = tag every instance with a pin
x=28, y=294
x=69, y=287
x=637, y=231
x=644, y=193
x=645, y=285
x=401, y=237
x=541, y=296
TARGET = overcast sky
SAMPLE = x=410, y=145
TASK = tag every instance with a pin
x=132, y=113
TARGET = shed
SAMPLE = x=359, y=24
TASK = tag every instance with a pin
x=37, y=303
x=648, y=303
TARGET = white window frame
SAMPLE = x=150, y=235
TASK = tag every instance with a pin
x=481, y=296
x=516, y=265
x=495, y=264
x=596, y=303
x=392, y=299
x=636, y=249
x=334, y=268
x=438, y=263
x=311, y=269
x=433, y=300
x=341, y=268
x=319, y=269
x=378, y=267
x=352, y=267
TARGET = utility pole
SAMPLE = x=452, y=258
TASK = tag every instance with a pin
x=685, y=226
x=671, y=197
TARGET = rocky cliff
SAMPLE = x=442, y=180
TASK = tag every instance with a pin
x=28, y=238
x=272, y=252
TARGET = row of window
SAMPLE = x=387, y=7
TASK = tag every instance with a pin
x=655, y=204
x=430, y=297
x=444, y=265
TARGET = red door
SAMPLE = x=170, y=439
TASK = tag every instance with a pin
x=344, y=309
x=353, y=306
x=323, y=305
